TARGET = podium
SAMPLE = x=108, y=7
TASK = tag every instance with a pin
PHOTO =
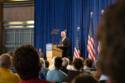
x=52, y=51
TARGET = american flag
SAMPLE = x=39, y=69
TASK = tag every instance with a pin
x=77, y=42
x=91, y=42
x=76, y=53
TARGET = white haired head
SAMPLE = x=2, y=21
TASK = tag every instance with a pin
x=63, y=34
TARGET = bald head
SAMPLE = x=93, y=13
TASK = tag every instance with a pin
x=5, y=60
x=63, y=34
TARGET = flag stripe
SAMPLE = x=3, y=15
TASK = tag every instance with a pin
x=76, y=52
x=91, y=53
x=91, y=45
x=91, y=39
x=91, y=49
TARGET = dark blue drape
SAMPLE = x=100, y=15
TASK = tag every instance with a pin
x=52, y=16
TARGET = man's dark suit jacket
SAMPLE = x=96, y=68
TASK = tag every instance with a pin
x=66, y=48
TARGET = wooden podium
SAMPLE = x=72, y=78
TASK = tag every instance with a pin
x=52, y=51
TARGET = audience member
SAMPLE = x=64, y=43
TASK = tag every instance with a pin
x=78, y=64
x=56, y=75
x=99, y=75
x=88, y=65
x=84, y=78
x=44, y=69
x=27, y=64
x=77, y=69
x=69, y=66
x=12, y=68
x=65, y=64
x=111, y=33
x=6, y=75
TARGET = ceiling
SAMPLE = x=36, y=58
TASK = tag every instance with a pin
x=16, y=1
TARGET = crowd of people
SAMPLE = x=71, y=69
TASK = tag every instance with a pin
x=26, y=66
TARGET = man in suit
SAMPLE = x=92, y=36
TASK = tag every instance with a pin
x=66, y=46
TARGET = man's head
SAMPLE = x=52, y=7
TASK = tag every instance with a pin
x=26, y=62
x=5, y=61
x=111, y=34
x=63, y=34
x=84, y=78
x=58, y=62
x=88, y=63
x=78, y=63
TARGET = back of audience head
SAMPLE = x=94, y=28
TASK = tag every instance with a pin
x=42, y=63
x=111, y=33
x=5, y=61
x=84, y=78
x=27, y=63
x=88, y=63
x=11, y=54
x=58, y=62
x=78, y=63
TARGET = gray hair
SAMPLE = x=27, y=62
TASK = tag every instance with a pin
x=5, y=60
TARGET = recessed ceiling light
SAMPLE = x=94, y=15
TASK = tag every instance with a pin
x=19, y=0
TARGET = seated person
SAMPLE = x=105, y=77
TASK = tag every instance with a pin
x=77, y=69
x=84, y=78
x=111, y=34
x=44, y=68
x=65, y=63
x=27, y=64
x=56, y=75
x=88, y=65
x=6, y=75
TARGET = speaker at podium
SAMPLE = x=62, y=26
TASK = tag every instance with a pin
x=52, y=51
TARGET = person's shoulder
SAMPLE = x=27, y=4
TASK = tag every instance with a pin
x=67, y=38
x=51, y=72
x=14, y=75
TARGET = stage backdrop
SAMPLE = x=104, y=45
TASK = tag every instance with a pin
x=52, y=16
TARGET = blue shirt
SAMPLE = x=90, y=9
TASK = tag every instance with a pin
x=55, y=75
